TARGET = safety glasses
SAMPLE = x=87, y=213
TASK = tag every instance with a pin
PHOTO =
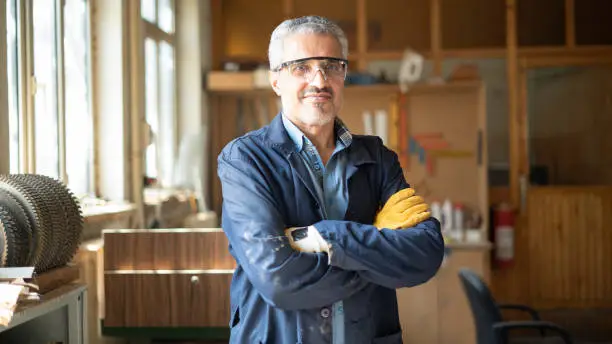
x=307, y=68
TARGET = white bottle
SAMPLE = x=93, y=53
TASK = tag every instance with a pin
x=447, y=215
x=436, y=211
x=380, y=123
x=368, y=123
x=458, y=216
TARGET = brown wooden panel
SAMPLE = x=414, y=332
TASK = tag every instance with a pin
x=541, y=22
x=248, y=25
x=438, y=311
x=593, y=22
x=570, y=120
x=455, y=321
x=166, y=251
x=458, y=116
x=167, y=300
x=418, y=312
x=343, y=12
x=473, y=24
x=398, y=24
x=569, y=241
x=226, y=126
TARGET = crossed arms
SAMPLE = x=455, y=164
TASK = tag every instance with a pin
x=360, y=253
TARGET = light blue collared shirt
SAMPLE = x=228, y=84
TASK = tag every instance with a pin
x=331, y=186
x=330, y=180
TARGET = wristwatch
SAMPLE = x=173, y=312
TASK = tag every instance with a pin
x=299, y=233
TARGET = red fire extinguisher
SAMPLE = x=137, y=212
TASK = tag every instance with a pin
x=504, y=235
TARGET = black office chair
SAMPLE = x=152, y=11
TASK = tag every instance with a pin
x=490, y=326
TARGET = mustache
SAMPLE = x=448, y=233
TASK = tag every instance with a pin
x=315, y=90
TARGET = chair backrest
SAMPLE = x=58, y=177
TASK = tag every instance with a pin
x=483, y=305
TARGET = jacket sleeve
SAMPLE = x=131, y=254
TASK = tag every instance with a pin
x=254, y=226
x=391, y=258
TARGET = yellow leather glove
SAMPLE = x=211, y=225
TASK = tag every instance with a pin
x=403, y=209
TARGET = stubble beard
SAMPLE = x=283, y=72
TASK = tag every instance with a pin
x=318, y=115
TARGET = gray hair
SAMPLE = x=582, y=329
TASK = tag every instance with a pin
x=304, y=25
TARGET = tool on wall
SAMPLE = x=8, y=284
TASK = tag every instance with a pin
x=409, y=74
x=431, y=146
x=410, y=70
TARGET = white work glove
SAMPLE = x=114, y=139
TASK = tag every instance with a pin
x=306, y=239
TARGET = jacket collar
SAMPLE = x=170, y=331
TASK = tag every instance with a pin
x=277, y=135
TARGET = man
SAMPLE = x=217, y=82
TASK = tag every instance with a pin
x=300, y=197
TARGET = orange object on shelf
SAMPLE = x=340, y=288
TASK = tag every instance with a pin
x=404, y=154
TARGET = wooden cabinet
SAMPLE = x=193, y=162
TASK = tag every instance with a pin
x=167, y=278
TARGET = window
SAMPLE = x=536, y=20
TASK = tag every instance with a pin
x=46, y=115
x=160, y=99
x=12, y=45
x=51, y=132
x=152, y=98
x=79, y=121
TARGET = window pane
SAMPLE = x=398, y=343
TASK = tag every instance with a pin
x=79, y=127
x=166, y=15
x=167, y=135
x=45, y=71
x=147, y=10
x=151, y=98
x=13, y=84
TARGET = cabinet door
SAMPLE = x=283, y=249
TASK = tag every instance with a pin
x=455, y=320
x=167, y=300
x=418, y=311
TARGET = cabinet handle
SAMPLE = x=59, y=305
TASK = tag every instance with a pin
x=195, y=279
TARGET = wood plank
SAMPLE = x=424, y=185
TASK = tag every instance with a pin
x=513, y=123
x=217, y=34
x=362, y=33
x=473, y=23
x=247, y=26
x=540, y=23
x=55, y=278
x=570, y=270
x=288, y=8
x=436, y=37
x=398, y=24
x=570, y=23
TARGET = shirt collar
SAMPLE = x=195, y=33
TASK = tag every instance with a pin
x=343, y=135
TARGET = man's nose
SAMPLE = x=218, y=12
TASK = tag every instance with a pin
x=318, y=79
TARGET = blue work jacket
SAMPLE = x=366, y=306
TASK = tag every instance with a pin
x=282, y=296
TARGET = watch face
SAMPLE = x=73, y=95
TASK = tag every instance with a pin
x=299, y=233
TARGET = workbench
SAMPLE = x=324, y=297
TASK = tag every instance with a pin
x=57, y=317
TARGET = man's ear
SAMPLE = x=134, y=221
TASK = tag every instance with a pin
x=273, y=77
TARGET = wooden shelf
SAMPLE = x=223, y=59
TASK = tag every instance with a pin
x=390, y=89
